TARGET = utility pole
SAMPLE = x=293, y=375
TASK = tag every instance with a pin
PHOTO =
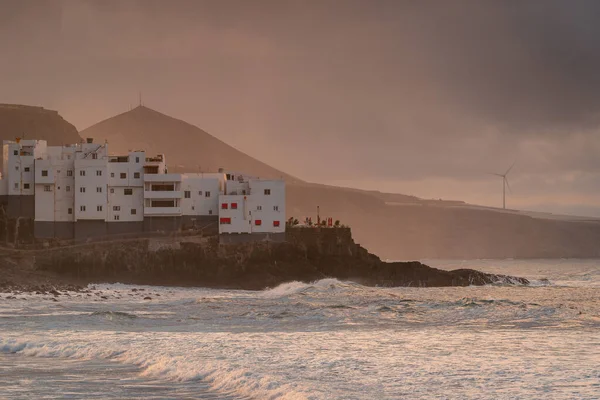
x=318, y=217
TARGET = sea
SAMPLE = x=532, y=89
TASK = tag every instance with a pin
x=323, y=340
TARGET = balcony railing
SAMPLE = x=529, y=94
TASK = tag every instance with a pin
x=148, y=194
x=158, y=211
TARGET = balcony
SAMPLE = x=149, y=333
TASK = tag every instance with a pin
x=159, y=194
x=162, y=177
x=162, y=211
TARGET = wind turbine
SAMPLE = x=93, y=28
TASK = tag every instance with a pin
x=505, y=184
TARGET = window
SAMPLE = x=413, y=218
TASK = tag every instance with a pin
x=193, y=208
x=44, y=172
x=136, y=175
x=47, y=188
x=207, y=194
x=81, y=208
x=276, y=224
x=82, y=190
x=98, y=208
x=68, y=188
x=70, y=211
x=209, y=212
x=187, y=194
x=94, y=156
x=224, y=206
x=112, y=190
x=26, y=169
x=133, y=211
x=112, y=174
x=17, y=167
x=116, y=218
x=99, y=189
x=137, y=160
x=258, y=222
x=82, y=173
x=275, y=208
x=234, y=206
x=16, y=185
x=267, y=192
x=116, y=208
x=26, y=186
x=123, y=175
x=258, y=208
x=98, y=172
x=225, y=221
x=69, y=172
x=128, y=192
x=200, y=193
x=16, y=152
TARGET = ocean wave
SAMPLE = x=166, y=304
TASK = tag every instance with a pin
x=114, y=315
x=328, y=285
x=220, y=376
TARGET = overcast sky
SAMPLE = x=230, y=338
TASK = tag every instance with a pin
x=416, y=97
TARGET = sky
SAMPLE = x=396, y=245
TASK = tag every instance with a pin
x=417, y=97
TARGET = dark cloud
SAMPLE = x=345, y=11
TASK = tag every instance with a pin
x=395, y=91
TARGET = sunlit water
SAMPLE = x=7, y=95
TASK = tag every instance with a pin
x=327, y=340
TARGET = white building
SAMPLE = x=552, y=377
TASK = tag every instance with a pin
x=252, y=206
x=80, y=191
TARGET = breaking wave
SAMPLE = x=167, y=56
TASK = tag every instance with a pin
x=220, y=376
x=329, y=285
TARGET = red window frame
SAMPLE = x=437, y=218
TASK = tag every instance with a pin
x=225, y=221
x=224, y=206
x=258, y=222
x=276, y=223
x=234, y=206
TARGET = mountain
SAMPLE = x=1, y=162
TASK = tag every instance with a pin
x=187, y=147
x=32, y=122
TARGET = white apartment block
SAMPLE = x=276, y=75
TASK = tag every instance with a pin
x=81, y=191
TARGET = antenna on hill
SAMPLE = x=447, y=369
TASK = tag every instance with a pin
x=505, y=184
x=140, y=98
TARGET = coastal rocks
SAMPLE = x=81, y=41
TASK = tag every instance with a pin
x=307, y=255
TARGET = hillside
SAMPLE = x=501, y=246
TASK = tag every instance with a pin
x=187, y=147
x=394, y=226
x=35, y=123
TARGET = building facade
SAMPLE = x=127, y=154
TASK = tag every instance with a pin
x=80, y=191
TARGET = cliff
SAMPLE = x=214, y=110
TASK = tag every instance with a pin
x=309, y=254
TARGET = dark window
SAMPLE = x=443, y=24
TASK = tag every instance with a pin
x=26, y=169
x=207, y=194
x=209, y=212
x=99, y=189
x=258, y=208
x=112, y=190
x=123, y=175
x=133, y=211
x=44, y=172
x=187, y=194
x=68, y=188
x=116, y=218
x=275, y=208
x=70, y=211
x=137, y=159
x=16, y=152
x=267, y=192
x=98, y=208
x=128, y=192
x=163, y=188
x=112, y=174
x=98, y=173
x=26, y=186
x=69, y=172
x=94, y=156
x=81, y=173
x=82, y=189
x=163, y=203
x=116, y=208
x=136, y=175
x=47, y=188
x=82, y=208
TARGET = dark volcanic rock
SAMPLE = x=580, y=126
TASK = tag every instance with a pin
x=307, y=255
